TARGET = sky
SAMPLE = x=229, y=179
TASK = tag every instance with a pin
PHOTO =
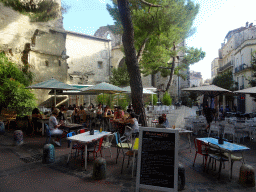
x=214, y=20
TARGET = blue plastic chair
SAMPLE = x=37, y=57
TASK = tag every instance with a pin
x=48, y=134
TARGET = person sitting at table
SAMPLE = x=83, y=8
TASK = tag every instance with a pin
x=36, y=115
x=82, y=114
x=61, y=116
x=54, y=125
x=166, y=122
x=129, y=110
x=109, y=111
x=118, y=121
x=75, y=115
x=160, y=122
x=115, y=111
x=99, y=112
x=133, y=125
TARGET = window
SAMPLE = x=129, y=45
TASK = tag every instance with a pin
x=59, y=62
x=100, y=64
x=46, y=63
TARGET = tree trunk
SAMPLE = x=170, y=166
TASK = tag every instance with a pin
x=172, y=70
x=131, y=60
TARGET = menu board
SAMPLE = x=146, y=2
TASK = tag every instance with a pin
x=157, y=162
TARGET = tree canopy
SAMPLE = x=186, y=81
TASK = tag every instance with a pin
x=12, y=87
x=158, y=30
x=224, y=80
x=120, y=76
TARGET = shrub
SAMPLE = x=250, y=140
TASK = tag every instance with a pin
x=167, y=100
x=12, y=87
x=155, y=99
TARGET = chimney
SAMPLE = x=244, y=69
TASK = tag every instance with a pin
x=246, y=25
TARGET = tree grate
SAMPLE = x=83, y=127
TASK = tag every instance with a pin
x=33, y=158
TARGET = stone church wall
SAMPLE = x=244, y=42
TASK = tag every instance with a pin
x=41, y=44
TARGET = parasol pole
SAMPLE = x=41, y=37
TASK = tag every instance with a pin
x=55, y=98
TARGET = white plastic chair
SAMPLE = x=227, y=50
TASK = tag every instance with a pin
x=107, y=143
x=214, y=128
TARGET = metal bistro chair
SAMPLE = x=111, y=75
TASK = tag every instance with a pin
x=201, y=148
x=214, y=128
x=107, y=143
x=218, y=155
x=120, y=145
x=95, y=149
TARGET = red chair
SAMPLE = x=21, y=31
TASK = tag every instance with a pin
x=82, y=131
x=201, y=148
x=95, y=149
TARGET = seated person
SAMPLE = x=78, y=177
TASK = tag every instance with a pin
x=75, y=115
x=61, y=116
x=82, y=114
x=160, y=122
x=99, y=112
x=119, y=121
x=36, y=115
x=133, y=124
x=166, y=122
x=129, y=110
x=54, y=125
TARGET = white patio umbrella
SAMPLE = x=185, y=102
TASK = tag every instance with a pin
x=251, y=90
x=145, y=91
x=209, y=90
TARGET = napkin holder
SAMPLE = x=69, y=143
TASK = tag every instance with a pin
x=92, y=132
x=220, y=140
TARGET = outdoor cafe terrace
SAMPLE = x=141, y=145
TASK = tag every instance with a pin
x=24, y=162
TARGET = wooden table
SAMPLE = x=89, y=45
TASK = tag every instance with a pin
x=227, y=147
x=85, y=138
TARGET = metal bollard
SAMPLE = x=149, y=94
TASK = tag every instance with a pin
x=2, y=128
x=181, y=177
x=99, y=169
x=18, y=137
x=48, y=154
x=247, y=176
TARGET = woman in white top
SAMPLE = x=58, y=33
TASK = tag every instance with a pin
x=54, y=125
x=133, y=123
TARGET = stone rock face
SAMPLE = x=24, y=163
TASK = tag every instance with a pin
x=41, y=45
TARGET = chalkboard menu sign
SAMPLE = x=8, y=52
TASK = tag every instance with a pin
x=157, y=159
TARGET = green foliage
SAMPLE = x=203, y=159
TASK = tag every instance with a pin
x=120, y=76
x=155, y=99
x=105, y=99
x=12, y=87
x=123, y=101
x=159, y=28
x=224, y=80
x=45, y=11
x=167, y=100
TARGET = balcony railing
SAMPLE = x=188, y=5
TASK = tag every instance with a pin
x=225, y=67
x=241, y=68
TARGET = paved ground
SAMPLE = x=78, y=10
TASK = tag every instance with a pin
x=22, y=169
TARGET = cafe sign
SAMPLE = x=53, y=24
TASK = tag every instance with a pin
x=157, y=167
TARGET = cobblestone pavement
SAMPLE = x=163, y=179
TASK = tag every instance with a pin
x=22, y=169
